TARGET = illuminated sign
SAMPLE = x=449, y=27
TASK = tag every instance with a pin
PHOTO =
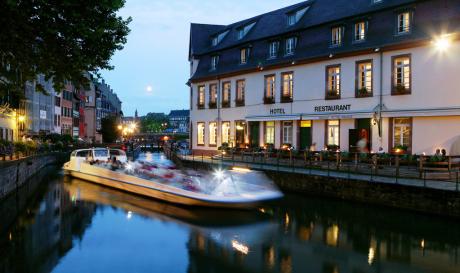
x=277, y=111
x=333, y=108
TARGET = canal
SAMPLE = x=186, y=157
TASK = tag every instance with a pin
x=60, y=224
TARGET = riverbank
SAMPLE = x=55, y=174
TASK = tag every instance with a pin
x=15, y=173
x=433, y=197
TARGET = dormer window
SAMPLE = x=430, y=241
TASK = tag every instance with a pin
x=218, y=38
x=273, y=49
x=291, y=44
x=294, y=17
x=214, y=62
x=243, y=31
x=404, y=23
x=244, y=55
x=360, y=31
x=336, y=36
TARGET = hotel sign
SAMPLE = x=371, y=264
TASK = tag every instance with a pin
x=277, y=111
x=333, y=108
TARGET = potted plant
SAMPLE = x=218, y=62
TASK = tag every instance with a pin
x=239, y=102
x=332, y=94
x=400, y=89
x=212, y=105
x=269, y=100
x=363, y=92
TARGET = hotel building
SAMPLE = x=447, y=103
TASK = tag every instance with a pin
x=327, y=74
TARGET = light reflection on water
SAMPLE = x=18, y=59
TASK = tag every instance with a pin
x=70, y=225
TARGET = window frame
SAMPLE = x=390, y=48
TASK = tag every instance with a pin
x=394, y=88
x=393, y=127
x=226, y=103
x=272, y=136
x=364, y=38
x=370, y=93
x=410, y=22
x=240, y=102
x=216, y=129
x=328, y=94
x=229, y=133
x=271, y=54
x=290, y=128
x=212, y=103
x=269, y=99
x=293, y=48
x=214, y=62
x=290, y=98
x=198, y=133
x=199, y=104
x=340, y=40
x=326, y=141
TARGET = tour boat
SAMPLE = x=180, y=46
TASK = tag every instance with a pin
x=236, y=188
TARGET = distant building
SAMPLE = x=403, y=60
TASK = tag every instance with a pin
x=179, y=121
x=90, y=132
x=66, y=109
x=107, y=103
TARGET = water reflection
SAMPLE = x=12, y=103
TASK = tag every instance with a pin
x=74, y=226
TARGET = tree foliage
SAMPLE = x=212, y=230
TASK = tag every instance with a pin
x=153, y=123
x=59, y=39
x=109, y=129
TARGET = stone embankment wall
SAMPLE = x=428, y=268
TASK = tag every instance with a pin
x=14, y=174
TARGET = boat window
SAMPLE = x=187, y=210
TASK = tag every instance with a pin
x=73, y=154
x=82, y=153
x=101, y=153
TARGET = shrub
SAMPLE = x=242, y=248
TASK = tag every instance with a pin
x=20, y=146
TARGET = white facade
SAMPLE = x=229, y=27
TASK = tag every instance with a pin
x=432, y=108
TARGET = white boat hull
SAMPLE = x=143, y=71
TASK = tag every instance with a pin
x=163, y=192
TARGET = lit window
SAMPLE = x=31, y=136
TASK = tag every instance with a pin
x=214, y=62
x=201, y=97
x=404, y=23
x=240, y=89
x=287, y=88
x=200, y=133
x=270, y=132
x=287, y=132
x=273, y=49
x=226, y=89
x=291, y=44
x=360, y=32
x=402, y=132
x=364, y=80
x=333, y=132
x=213, y=96
x=294, y=17
x=213, y=133
x=333, y=82
x=402, y=74
x=270, y=86
x=226, y=132
x=243, y=31
x=337, y=33
x=244, y=55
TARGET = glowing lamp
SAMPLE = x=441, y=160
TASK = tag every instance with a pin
x=442, y=43
x=21, y=118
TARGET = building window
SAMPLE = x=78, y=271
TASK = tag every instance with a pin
x=360, y=31
x=273, y=50
x=333, y=133
x=269, y=95
x=240, y=90
x=270, y=132
x=244, y=55
x=201, y=96
x=218, y=38
x=226, y=89
x=333, y=82
x=294, y=17
x=402, y=133
x=404, y=23
x=291, y=44
x=214, y=62
x=212, y=96
x=401, y=75
x=57, y=101
x=336, y=39
x=200, y=133
x=226, y=132
x=240, y=134
x=243, y=31
x=287, y=132
x=212, y=134
x=364, y=79
x=287, y=86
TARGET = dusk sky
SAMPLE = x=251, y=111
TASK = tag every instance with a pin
x=151, y=71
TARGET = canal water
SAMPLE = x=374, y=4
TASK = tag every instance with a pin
x=60, y=224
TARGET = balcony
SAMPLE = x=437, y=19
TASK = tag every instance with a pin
x=333, y=95
x=400, y=90
x=212, y=105
x=286, y=99
x=363, y=92
x=226, y=104
x=239, y=103
x=269, y=100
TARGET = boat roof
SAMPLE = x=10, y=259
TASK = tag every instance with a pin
x=99, y=148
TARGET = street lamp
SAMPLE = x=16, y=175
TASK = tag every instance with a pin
x=442, y=43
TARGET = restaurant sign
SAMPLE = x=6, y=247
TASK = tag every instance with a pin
x=333, y=108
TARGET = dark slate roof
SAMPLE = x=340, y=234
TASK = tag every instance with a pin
x=313, y=31
x=179, y=113
x=200, y=35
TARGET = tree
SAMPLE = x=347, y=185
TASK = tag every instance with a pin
x=59, y=39
x=109, y=129
x=153, y=123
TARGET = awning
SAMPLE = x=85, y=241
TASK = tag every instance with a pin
x=273, y=117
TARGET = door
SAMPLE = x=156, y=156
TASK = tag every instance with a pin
x=353, y=138
x=305, y=135
x=364, y=133
x=254, y=134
